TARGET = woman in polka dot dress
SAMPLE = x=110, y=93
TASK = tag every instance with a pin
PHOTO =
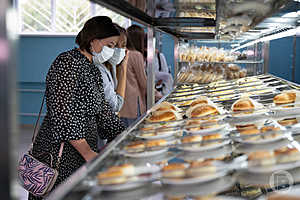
x=77, y=112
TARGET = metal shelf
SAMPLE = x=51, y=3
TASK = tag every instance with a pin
x=235, y=62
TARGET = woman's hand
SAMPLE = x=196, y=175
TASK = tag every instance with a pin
x=84, y=149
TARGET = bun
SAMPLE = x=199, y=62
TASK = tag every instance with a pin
x=204, y=110
x=165, y=106
x=201, y=169
x=126, y=169
x=199, y=100
x=137, y=146
x=154, y=143
x=286, y=154
x=200, y=125
x=261, y=158
x=269, y=128
x=159, y=116
x=287, y=122
x=245, y=127
x=212, y=137
x=174, y=170
x=194, y=138
x=285, y=98
x=250, y=131
x=111, y=177
x=242, y=105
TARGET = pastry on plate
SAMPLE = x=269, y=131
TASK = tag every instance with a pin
x=165, y=106
x=202, y=110
x=245, y=127
x=204, y=168
x=249, y=132
x=174, y=170
x=199, y=100
x=287, y=154
x=126, y=169
x=243, y=104
x=262, y=158
x=111, y=177
x=206, y=138
x=135, y=147
x=196, y=125
x=159, y=116
x=191, y=139
x=288, y=122
x=156, y=143
x=285, y=98
x=266, y=129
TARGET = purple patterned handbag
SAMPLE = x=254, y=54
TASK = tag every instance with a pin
x=35, y=176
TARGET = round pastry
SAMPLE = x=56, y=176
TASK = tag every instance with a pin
x=201, y=169
x=261, y=158
x=111, y=177
x=199, y=100
x=126, y=169
x=286, y=154
x=203, y=110
x=211, y=137
x=288, y=122
x=193, y=138
x=154, y=143
x=196, y=125
x=245, y=127
x=285, y=98
x=268, y=129
x=136, y=146
x=159, y=116
x=251, y=132
x=164, y=106
x=174, y=170
x=243, y=105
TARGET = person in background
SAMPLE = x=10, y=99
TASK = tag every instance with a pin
x=114, y=73
x=136, y=81
x=163, y=78
x=77, y=111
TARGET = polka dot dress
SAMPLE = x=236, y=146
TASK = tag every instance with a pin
x=76, y=109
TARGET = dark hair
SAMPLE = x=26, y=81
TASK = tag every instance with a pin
x=99, y=27
x=120, y=28
x=135, y=35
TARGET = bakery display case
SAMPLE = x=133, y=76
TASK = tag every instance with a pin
x=229, y=129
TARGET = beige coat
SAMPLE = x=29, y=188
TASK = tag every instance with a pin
x=136, y=86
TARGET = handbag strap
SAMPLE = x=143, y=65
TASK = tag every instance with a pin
x=35, y=132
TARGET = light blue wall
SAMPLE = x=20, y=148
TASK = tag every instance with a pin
x=37, y=53
x=34, y=59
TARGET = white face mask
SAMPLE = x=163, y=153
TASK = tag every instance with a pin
x=118, y=56
x=105, y=54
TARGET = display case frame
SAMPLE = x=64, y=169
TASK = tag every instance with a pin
x=152, y=25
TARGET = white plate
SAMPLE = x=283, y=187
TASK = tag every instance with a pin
x=204, y=148
x=194, y=180
x=272, y=168
x=146, y=153
x=261, y=141
x=208, y=130
x=140, y=181
x=160, y=136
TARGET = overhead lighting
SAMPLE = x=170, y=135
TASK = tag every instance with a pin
x=288, y=33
